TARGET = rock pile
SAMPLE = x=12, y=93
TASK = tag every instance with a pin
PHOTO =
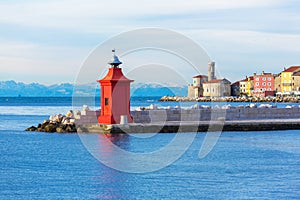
x=58, y=123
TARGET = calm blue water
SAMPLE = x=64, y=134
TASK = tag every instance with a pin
x=243, y=165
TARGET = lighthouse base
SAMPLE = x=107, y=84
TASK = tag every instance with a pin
x=108, y=119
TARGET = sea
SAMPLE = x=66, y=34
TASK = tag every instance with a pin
x=240, y=165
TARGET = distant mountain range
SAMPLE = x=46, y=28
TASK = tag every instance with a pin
x=15, y=89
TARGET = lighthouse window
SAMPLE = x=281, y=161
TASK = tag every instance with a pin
x=106, y=100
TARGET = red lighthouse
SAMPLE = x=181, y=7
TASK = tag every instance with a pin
x=115, y=94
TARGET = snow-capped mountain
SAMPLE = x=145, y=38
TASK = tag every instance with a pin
x=12, y=89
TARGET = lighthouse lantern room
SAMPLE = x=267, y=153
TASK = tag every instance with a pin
x=115, y=94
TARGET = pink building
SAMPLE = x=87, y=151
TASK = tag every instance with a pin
x=263, y=85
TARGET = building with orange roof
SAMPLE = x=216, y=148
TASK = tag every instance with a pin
x=263, y=85
x=209, y=86
x=196, y=89
x=217, y=88
x=287, y=83
x=296, y=81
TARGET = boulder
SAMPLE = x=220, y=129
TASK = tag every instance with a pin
x=50, y=128
x=70, y=128
x=31, y=128
x=70, y=114
x=44, y=124
x=85, y=108
x=57, y=123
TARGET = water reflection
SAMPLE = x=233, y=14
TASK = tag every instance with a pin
x=113, y=183
x=136, y=155
x=121, y=140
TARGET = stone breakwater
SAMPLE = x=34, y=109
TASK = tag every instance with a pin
x=196, y=118
x=58, y=123
x=186, y=127
x=279, y=99
x=197, y=112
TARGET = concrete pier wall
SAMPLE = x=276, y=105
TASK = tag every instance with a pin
x=199, y=114
x=86, y=117
x=150, y=116
x=195, y=120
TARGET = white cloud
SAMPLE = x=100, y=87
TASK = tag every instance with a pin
x=230, y=48
x=247, y=41
x=239, y=53
x=44, y=64
x=232, y=40
x=107, y=14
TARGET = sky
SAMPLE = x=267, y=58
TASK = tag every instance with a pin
x=48, y=41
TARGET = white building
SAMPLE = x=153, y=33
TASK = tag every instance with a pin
x=217, y=88
x=196, y=89
x=209, y=86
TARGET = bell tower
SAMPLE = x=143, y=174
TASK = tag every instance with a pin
x=115, y=94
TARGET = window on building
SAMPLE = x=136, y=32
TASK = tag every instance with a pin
x=264, y=78
x=269, y=78
x=257, y=83
x=106, y=101
x=257, y=79
x=264, y=84
x=269, y=84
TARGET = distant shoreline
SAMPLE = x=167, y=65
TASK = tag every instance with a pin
x=284, y=99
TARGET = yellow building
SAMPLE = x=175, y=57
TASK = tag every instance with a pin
x=277, y=83
x=286, y=83
x=246, y=86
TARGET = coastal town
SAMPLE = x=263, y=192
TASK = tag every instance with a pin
x=116, y=116
x=283, y=86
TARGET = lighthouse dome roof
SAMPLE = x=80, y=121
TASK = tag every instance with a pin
x=115, y=61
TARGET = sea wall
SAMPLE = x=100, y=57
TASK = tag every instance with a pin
x=153, y=114
x=206, y=114
x=87, y=117
x=168, y=120
x=186, y=127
